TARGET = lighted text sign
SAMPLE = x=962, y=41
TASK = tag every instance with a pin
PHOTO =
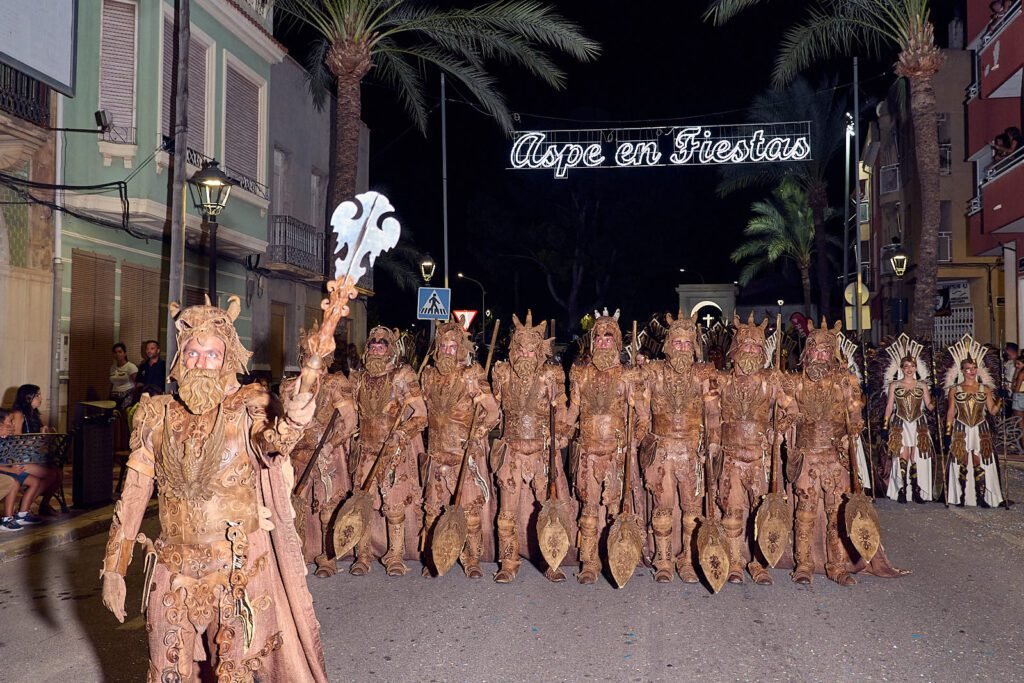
x=564, y=150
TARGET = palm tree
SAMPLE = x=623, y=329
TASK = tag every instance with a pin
x=397, y=38
x=782, y=228
x=826, y=112
x=841, y=26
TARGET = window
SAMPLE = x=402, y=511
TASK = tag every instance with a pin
x=945, y=247
x=117, y=69
x=945, y=216
x=945, y=159
x=241, y=124
x=197, y=69
x=282, y=202
x=889, y=179
x=316, y=199
x=942, y=124
x=864, y=212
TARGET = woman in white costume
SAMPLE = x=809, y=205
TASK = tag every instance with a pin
x=909, y=441
x=971, y=394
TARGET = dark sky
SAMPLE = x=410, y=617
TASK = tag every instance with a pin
x=660, y=62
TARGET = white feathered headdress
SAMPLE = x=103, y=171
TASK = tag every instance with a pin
x=901, y=348
x=968, y=347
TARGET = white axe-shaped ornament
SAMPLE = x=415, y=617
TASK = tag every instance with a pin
x=364, y=227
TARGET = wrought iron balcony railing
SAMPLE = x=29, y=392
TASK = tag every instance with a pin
x=295, y=243
x=196, y=158
x=24, y=96
x=120, y=135
x=1003, y=165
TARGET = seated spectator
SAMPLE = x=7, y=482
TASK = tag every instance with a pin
x=28, y=477
x=122, y=377
x=25, y=419
x=1000, y=147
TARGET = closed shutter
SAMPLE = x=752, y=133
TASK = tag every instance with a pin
x=91, y=327
x=194, y=296
x=196, y=87
x=242, y=125
x=140, y=307
x=117, y=63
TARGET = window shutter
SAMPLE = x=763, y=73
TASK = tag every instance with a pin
x=117, y=63
x=140, y=307
x=196, y=87
x=166, y=111
x=242, y=125
x=91, y=327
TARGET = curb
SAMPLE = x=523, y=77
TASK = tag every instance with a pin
x=62, y=532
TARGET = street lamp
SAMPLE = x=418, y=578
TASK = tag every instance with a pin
x=898, y=258
x=780, y=302
x=483, y=306
x=427, y=267
x=210, y=188
x=700, y=275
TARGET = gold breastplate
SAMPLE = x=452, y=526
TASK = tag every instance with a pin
x=676, y=403
x=970, y=408
x=909, y=403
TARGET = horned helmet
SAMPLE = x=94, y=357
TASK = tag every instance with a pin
x=748, y=336
x=381, y=335
x=683, y=328
x=527, y=339
x=606, y=324
x=821, y=350
x=210, y=321
x=449, y=331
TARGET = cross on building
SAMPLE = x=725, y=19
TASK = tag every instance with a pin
x=708, y=319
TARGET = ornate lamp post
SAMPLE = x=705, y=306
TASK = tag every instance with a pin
x=210, y=188
x=427, y=267
x=899, y=261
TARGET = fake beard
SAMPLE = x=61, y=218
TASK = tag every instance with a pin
x=680, y=362
x=748, y=363
x=605, y=359
x=201, y=390
x=377, y=365
x=816, y=371
x=525, y=367
x=446, y=364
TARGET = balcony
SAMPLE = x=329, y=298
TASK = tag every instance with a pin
x=295, y=246
x=24, y=97
x=1003, y=201
x=1001, y=56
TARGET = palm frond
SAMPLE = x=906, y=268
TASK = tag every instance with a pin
x=821, y=36
x=721, y=11
x=319, y=81
x=404, y=78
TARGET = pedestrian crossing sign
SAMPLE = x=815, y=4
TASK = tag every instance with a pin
x=433, y=303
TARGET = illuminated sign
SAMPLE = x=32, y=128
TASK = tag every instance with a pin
x=750, y=143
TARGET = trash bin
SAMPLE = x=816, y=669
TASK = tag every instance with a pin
x=93, y=470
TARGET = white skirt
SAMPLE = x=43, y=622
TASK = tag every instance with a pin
x=924, y=466
x=993, y=494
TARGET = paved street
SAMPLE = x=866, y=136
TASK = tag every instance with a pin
x=955, y=618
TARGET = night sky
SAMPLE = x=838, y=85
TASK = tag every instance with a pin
x=659, y=65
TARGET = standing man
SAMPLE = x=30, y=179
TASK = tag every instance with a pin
x=748, y=394
x=152, y=376
x=328, y=482
x=386, y=390
x=601, y=394
x=461, y=411
x=672, y=454
x=526, y=387
x=228, y=575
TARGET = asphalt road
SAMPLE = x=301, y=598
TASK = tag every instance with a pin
x=956, y=618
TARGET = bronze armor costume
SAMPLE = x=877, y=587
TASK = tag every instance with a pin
x=455, y=390
x=228, y=563
x=526, y=387
x=385, y=392
x=600, y=393
x=673, y=452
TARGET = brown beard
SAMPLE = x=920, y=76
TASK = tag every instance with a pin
x=377, y=365
x=201, y=390
x=525, y=367
x=678, y=360
x=445, y=364
x=748, y=363
x=816, y=371
x=605, y=359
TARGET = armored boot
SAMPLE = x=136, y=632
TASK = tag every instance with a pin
x=979, y=487
x=508, y=548
x=364, y=556
x=733, y=523
x=474, y=548
x=664, y=565
x=684, y=560
x=916, y=487
x=963, y=485
x=590, y=566
x=803, y=572
x=835, y=554
x=902, y=496
x=393, y=558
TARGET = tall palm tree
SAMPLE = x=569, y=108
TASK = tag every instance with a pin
x=843, y=26
x=782, y=229
x=826, y=111
x=397, y=38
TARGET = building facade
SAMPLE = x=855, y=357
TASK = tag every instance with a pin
x=995, y=209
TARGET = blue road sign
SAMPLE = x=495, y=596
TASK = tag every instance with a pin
x=433, y=303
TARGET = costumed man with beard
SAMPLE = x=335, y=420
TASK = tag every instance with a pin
x=672, y=454
x=228, y=563
x=749, y=394
x=386, y=390
x=461, y=412
x=828, y=401
x=329, y=481
x=526, y=387
x=601, y=394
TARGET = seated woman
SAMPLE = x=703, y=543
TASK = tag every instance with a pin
x=29, y=477
x=26, y=420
